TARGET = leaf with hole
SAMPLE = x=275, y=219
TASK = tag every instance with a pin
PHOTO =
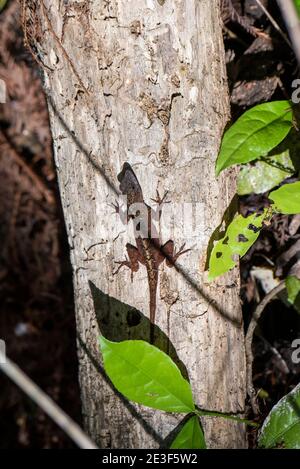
x=146, y=375
x=287, y=198
x=255, y=134
x=240, y=235
x=281, y=429
x=190, y=436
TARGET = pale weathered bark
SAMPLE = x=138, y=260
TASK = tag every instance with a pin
x=143, y=81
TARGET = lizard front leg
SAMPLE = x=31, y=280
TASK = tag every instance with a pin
x=132, y=263
x=121, y=211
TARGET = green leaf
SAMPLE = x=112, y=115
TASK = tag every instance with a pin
x=190, y=436
x=297, y=5
x=226, y=416
x=287, y=198
x=293, y=290
x=2, y=4
x=282, y=426
x=240, y=235
x=145, y=374
x=262, y=176
x=255, y=133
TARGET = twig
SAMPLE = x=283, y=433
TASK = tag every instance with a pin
x=232, y=35
x=291, y=18
x=274, y=23
x=249, y=338
x=46, y=403
x=282, y=363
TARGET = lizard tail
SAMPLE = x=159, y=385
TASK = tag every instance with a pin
x=152, y=305
x=152, y=320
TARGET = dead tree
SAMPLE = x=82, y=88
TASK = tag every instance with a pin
x=143, y=82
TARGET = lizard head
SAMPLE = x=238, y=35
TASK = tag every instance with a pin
x=129, y=185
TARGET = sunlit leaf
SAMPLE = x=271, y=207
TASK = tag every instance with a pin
x=287, y=198
x=255, y=133
x=281, y=428
x=293, y=290
x=297, y=5
x=145, y=374
x=240, y=235
x=190, y=436
x=263, y=175
x=2, y=4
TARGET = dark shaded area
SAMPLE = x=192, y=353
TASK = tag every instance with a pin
x=36, y=299
x=262, y=68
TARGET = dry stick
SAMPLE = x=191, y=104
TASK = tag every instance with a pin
x=291, y=18
x=249, y=338
x=274, y=23
x=46, y=403
x=283, y=365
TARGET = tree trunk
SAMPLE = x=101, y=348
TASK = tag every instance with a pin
x=143, y=82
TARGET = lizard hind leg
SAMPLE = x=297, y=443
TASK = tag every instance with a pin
x=132, y=263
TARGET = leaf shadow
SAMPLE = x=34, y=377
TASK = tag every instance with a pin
x=119, y=321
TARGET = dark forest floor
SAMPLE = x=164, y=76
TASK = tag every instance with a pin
x=36, y=299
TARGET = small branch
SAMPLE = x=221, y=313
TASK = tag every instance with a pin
x=274, y=23
x=46, y=403
x=224, y=415
x=282, y=363
x=291, y=18
x=249, y=338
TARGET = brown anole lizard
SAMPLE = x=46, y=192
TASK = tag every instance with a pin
x=148, y=250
